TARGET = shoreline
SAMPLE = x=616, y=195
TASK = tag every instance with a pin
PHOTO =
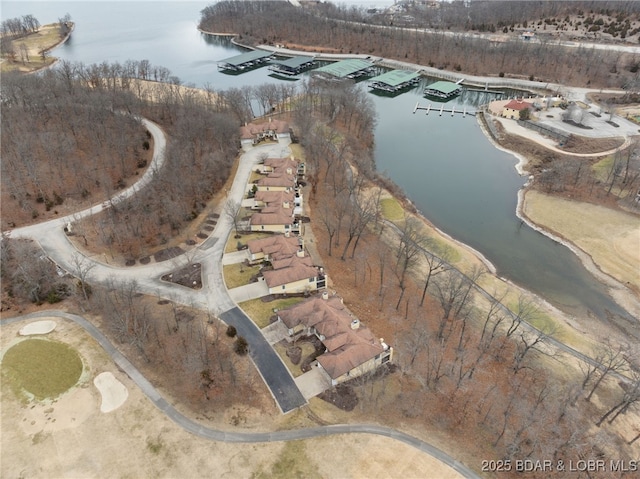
x=618, y=291
x=622, y=295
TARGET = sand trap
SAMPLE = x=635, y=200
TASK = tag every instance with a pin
x=113, y=392
x=38, y=327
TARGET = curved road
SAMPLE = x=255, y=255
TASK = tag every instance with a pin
x=241, y=437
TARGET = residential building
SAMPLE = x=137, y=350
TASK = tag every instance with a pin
x=514, y=107
x=351, y=348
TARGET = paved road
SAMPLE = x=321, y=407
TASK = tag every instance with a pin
x=242, y=437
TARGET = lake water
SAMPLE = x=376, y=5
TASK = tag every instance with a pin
x=448, y=168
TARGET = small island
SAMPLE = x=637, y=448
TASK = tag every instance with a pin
x=25, y=44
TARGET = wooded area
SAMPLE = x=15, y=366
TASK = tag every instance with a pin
x=324, y=28
x=467, y=365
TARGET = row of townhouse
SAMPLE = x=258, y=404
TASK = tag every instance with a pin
x=351, y=350
x=278, y=197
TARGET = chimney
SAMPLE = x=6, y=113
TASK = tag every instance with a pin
x=355, y=324
x=300, y=253
x=286, y=205
x=287, y=234
x=325, y=295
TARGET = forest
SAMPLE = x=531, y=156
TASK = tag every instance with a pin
x=330, y=29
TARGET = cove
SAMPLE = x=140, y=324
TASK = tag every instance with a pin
x=445, y=164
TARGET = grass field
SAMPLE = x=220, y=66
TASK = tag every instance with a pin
x=43, y=368
x=260, y=312
x=238, y=274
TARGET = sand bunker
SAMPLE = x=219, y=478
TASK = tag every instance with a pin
x=38, y=327
x=113, y=392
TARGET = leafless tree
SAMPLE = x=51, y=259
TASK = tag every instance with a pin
x=630, y=398
x=83, y=267
x=607, y=359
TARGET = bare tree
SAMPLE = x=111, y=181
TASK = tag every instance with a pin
x=408, y=251
x=232, y=212
x=630, y=398
x=606, y=360
x=83, y=267
x=435, y=266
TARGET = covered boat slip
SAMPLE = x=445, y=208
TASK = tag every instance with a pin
x=292, y=66
x=394, y=81
x=344, y=69
x=443, y=89
x=245, y=61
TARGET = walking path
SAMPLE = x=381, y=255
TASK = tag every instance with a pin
x=241, y=437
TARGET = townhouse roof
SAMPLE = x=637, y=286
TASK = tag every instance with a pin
x=279, y=196
x=282, y=163
x=290, y=271
x=279, y=216
x=277, y=179
x=518, y=105
x=347, y=348
x=276, y=246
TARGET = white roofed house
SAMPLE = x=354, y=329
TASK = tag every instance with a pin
x=351, y=348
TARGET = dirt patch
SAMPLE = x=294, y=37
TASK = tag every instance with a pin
x=582, y=144
x=189, y=276
x=342, y=396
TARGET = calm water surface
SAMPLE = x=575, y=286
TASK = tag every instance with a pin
x=445, y=164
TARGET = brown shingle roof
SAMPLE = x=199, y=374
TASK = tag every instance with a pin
x=347, y=348
x=295, y=270
x=279, y=216
x=275, y=196
x=276, y=246
x=278, y=179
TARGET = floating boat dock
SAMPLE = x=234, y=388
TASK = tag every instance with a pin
x=443, y=89
x=246, y=61
x=442, y=109
x=345, y=69
x=292, y=66
x=394, y=81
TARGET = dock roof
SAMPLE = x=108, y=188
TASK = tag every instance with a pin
x=444, y=87
x=245, y=58
x=294, y=62
x=395, y=77
x=344, y=68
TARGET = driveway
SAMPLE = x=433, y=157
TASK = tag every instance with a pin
x=272, y=369
x=249, y=291
x=313, y=382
